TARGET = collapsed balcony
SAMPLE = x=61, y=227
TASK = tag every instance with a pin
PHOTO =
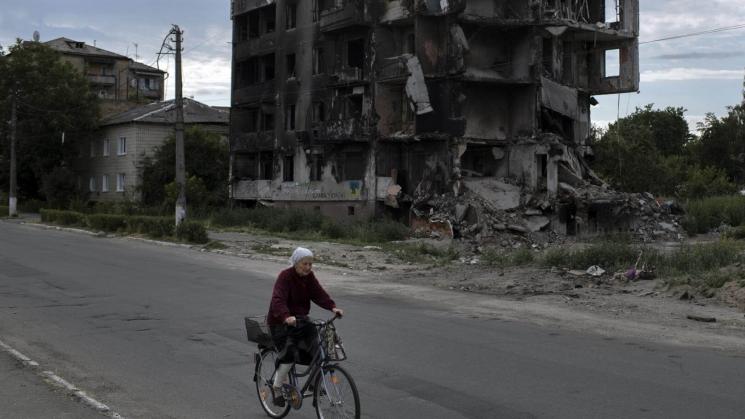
x=345, y=14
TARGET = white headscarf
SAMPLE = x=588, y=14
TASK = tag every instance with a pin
x=299, y=254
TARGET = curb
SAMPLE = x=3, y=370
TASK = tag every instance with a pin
x=60, y=382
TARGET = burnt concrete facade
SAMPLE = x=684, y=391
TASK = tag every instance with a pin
x=353, y=106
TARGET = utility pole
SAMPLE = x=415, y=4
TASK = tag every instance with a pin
x=180, y=164
x=12, y=200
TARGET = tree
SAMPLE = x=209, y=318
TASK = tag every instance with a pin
x=645, y=151
x=56, y=114
x=207, y=165
x=722, y=143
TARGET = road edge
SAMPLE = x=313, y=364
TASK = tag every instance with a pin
x=57, y=381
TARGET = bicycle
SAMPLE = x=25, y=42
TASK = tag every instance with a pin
x=332, y=388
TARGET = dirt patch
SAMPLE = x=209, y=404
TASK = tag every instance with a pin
x=639, y=304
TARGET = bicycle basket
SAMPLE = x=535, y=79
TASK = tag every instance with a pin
x=332, y=344
x=258, y=332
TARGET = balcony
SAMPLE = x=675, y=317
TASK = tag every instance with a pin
x=353, y=13
x=348, y=75
x=353, y=129
x=397, y=12
x=440, y=7
x=393, y=70
x=264, y=44
x=254, y=93
x=101, y=80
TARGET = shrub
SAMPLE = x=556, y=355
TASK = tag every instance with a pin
x=706, y=181
x=67, y=218
x=155, y=227
x=31, y=205
x=608, y=255
x=106, y=222
x=706, y=214
x=736, y=233
x=4, y=211
x=699, y=258
x=192, y=232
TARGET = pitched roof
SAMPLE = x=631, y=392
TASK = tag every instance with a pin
x=164, y=113
x=69, y=46
x=134, y=65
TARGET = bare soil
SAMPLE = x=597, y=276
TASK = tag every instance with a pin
x=642, y=309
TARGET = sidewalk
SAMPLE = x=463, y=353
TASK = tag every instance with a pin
x=25, y=395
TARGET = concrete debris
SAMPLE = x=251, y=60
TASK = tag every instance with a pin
x=501, y=210
x=416, y=88
x=595, y=270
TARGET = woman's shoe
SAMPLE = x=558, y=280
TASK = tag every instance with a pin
x=277, y=397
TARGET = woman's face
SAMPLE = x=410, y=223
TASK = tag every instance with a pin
x=304, y=266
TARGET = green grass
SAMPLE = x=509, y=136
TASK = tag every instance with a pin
x=703, y=215
x=307, y=225
x=502, y=259
x=422, y=253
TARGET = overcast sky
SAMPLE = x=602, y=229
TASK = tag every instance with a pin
x=702, y=74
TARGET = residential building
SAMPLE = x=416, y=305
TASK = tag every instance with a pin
x=119, y=81
x=357, y=106
x=112, y=162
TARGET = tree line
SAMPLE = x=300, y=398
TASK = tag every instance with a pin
x=653, y=150
x=57, y=117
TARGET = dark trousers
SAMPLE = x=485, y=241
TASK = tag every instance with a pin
x=295, y=344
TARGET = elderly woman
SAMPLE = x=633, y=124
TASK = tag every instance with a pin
x=295, y=288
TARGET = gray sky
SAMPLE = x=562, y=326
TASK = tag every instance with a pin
x=702, y=74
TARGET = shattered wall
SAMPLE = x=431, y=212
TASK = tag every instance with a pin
x=394, y=104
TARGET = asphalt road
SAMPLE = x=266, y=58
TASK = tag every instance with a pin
x=157, y=332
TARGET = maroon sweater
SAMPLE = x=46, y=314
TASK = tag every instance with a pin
x=292, y=296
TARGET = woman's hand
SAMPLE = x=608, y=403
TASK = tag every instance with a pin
x=291, y=321
x=339, y=312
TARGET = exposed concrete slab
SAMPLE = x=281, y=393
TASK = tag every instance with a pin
x=501, y=195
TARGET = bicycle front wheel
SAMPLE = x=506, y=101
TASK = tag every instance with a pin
x=264, y=379
x=335, y=394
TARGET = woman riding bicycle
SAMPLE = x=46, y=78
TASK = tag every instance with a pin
x=294, y=289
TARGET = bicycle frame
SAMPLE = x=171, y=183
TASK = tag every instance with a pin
x=320, y=360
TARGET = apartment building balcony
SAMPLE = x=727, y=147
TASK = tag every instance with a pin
x=348, y=75
x=346, y=130
x=393, y=70
x=352, y=13
x=439, y=7
x=254, y=93
x=264, y=44
x=398, y=12
x=251, y=141
x=101, y=80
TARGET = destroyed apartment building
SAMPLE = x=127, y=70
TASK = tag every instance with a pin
x=450, y=111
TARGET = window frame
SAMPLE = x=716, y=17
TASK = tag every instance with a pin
x=121, y=179
x=121, y=150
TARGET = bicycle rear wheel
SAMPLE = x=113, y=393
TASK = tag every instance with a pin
x=264, y=379
x=335, y=395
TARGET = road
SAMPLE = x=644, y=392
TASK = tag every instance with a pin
x=157, y=332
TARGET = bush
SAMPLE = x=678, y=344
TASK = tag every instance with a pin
x=155, y=227
x=192, y=232
x=31, y=205
x=705, y=182
x=66, y=218
x=703, y=215
x=608, y=255
x=107, y=222
x=698, y=258
x=4, y=211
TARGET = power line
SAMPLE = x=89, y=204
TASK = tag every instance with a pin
x=687, y=35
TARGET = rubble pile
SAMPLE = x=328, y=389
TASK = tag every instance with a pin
x=500, y=211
